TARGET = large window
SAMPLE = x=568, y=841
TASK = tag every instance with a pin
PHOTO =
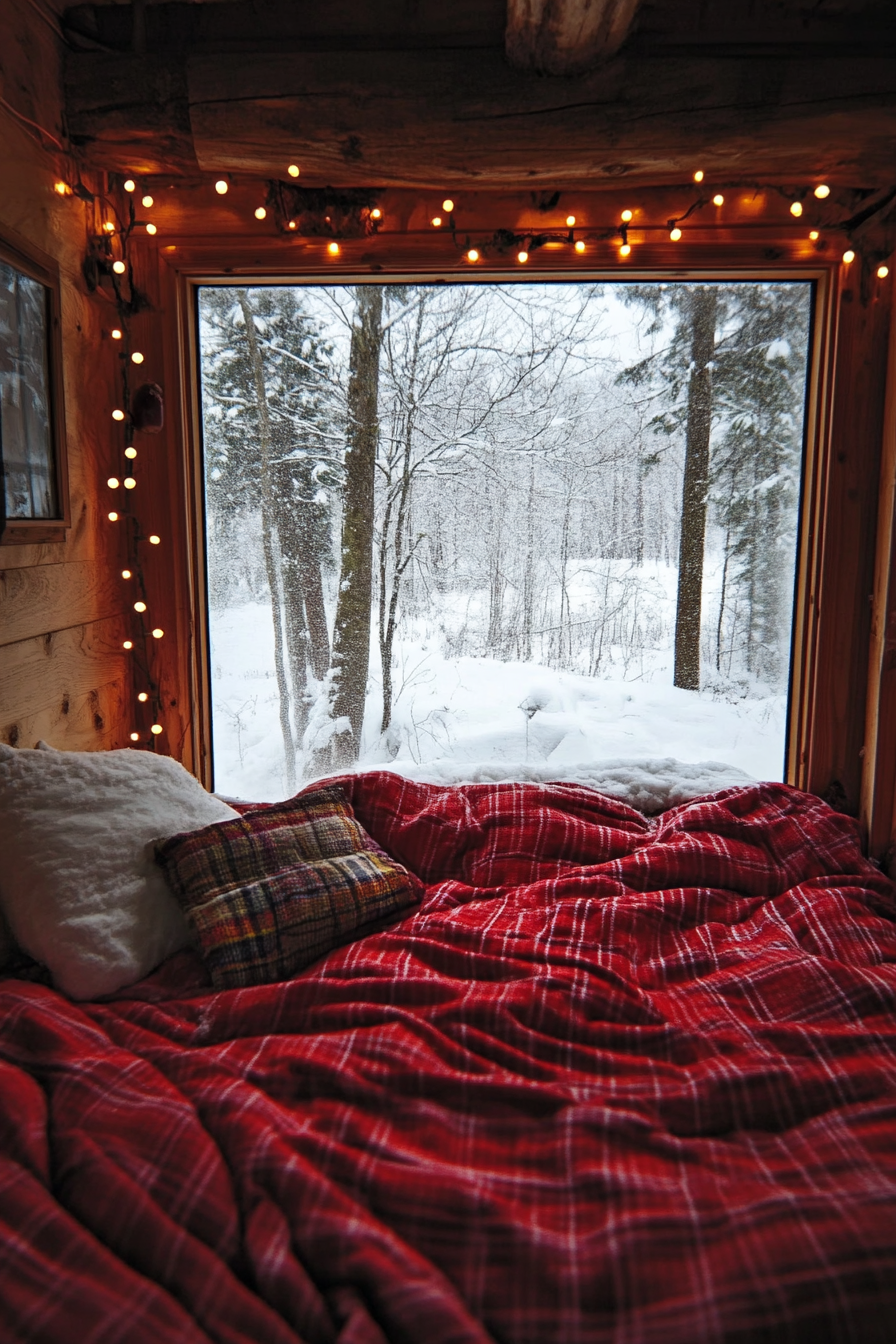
x=461, y=528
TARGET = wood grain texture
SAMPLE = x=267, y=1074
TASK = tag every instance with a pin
x=565, y=37
x=351, y=118
x=72, y=688
x=56, y=597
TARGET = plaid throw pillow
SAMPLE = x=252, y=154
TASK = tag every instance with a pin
x=269, y=892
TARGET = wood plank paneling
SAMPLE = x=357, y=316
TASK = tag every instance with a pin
x=56, y=597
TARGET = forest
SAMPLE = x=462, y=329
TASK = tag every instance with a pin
x=467, y=510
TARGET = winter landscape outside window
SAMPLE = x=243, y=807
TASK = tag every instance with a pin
x=467, y=529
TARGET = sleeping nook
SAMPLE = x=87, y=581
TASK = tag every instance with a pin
x=447, y=672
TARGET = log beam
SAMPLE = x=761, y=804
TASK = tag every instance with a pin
x=565, y=37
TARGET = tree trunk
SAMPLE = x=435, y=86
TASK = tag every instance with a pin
x=351, y=633
x=694, y=491
x=264, y=439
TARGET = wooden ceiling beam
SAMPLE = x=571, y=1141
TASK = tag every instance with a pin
x=442, y=118
x=565, y=37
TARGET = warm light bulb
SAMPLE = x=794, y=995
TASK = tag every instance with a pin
x=718, y=199
x=625, y=249
x=376, y=213
x=522, y=256
x=333, y=249
x=154, y=540
x=292, y=224
x=472, y=255
x=137, y=357
x=151, y=230
x=156, y=729
x=822, y=190
x=128, y=644
x=129, y=184
x=158, y=632
x=448, y=205
x=113, y=517
x=147, y=202
x=113, y=482
x=60, y=188
x=108, y=227
x=698, y=176
x=126, y=574
x=143, y=697
x=796, y=209
x=222, y=187
x=849, y=255
x=140, y=606
x=580, y=246
x=570, y=221
x=675, y=234
x=813, y=234
x=117, y=415
x=135, y=737
x=883, y=272
x=129, y=483
x=626, y=216
x=437, y=221
x=261, y=213
x=115, y=333
x=119, y=267
x=130, y=452
x=293, y=170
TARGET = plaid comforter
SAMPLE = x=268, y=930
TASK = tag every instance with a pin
x=615, y=1080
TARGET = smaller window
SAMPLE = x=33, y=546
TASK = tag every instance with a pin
x=33, y=497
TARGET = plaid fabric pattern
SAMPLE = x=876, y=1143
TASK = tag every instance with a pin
x=270, y=892
x=615, y=1081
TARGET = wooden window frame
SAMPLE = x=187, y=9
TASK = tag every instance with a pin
x=31, y=261
x=844, y=433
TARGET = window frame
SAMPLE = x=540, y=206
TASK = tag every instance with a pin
x=37, y=265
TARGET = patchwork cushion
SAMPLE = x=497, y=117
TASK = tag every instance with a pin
x=268, y=893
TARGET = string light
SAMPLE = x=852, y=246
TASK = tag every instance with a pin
x=522, y=257
x=293, y=170
x=128, y=644
x=849, y=255
x=126, y=574
x=222, y=187
x=156, y=729
x=154, y=540
x=813, y=235
x=129, y=483
x=473, y=254
x=718, y=199
x=135, y=737
x=376, y=213
x=142, y=697
x=129, y=184
x=675, y=234
x=151, y=230
x=822, y=191
x=140, y=606
x=147, y=202
x=62, y=188
x=117, y=415
x=130, y=451
x=115, y=333
x=580, y=246
x=333, y=249
x=137, y=357
x=113, y=482
x=448, y=205
x=108, y=227
x=698, y=176
x=112, y=516
x=626, y=216
x=119, y=267
x=260, y=212
x=292, y=224
x=437, y=221
x=570, y=221
x=158, y=632
x=883, y=272
x=796, y=209
x=625, y=249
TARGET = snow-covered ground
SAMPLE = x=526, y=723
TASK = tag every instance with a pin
x=463, y=718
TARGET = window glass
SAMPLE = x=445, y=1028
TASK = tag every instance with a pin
x=26, y=444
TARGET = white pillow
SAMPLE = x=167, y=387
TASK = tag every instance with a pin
x=79, y=886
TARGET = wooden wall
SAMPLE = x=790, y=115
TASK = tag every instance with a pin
x=63, y=672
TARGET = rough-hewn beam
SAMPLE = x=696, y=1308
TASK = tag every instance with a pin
x=565, y=37
x=437, y=118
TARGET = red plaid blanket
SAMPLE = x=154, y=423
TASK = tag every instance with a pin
x=615, y=1080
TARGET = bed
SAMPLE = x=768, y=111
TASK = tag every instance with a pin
x=614, y=1078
